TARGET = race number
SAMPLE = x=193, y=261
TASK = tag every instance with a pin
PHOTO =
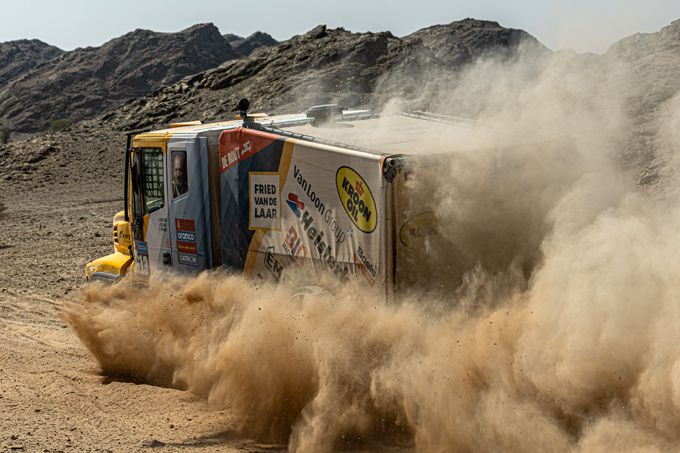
x=141, y=258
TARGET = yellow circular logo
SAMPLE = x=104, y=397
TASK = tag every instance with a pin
x=357, y=199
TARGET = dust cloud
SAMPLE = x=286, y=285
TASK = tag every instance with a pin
x=542, y=315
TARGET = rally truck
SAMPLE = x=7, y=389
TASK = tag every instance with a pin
x=322, y=190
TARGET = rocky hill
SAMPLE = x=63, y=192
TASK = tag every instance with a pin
x=84, y=82
x=354, y=69
x=18, y=57
x=231, y=37
x=462, y=41
x=653, y=59
x=322, y=66
x=246, y=46
x=650, y=80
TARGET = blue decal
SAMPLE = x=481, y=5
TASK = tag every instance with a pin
x=142, y=248
x=295, y=204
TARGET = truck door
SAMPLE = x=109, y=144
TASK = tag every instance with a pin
x=188, y=206
x=149, y=210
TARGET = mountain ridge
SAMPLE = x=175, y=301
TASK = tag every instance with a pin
x=326, y=65
x=20, y=56
x=82, y=83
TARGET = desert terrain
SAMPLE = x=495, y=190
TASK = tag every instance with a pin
x=464, y=377
x=54, y=396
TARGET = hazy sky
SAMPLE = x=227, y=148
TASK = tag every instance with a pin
x=583, y=25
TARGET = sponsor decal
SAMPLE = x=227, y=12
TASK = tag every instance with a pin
x=187, y=259
x=142, y=248
x=414, y=231
x=185, y=225
x=295, y=204
x=320, y=206
x=367, y=268
x=357, y=199
x=316, y=237
x=264, y=200
x=189, y=236
x=141, y=258
x=308, y=190
x=272, y=263
x=237, y=145
x=293, y=243
x=186, y=247
x=235, y=154
x=163, y=224
x=185, y=231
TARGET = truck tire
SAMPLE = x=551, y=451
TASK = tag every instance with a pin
x=310, y=291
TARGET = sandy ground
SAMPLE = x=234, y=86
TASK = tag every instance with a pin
x=52, y=394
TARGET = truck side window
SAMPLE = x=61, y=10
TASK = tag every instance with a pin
x=136, y=192
x=180, y=183
x=152, y=161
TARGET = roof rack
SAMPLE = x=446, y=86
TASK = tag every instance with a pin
x=304, y=137
x=439, y=118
